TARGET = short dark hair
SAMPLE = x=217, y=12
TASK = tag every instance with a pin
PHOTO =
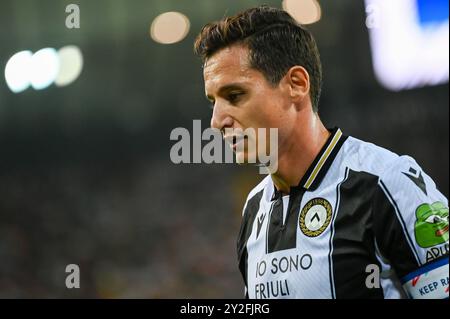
x=276, y=42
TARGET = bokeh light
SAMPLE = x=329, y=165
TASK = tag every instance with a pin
x=169, y=27
x=17, y=71
x=71, y=64
x=44, y=68
x=303, y=11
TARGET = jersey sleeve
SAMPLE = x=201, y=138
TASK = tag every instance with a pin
x=411, y=228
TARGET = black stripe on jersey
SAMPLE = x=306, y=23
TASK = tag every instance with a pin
x=353, y=240
x=392, y=237
x=268, y=226
x=281, y=236
x=330, y=260
x=249, y=216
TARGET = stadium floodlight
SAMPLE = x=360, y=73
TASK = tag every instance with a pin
x=43, y=68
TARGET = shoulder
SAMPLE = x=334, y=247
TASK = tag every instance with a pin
x=364, y=156
x=256, y=193
x=392, y=170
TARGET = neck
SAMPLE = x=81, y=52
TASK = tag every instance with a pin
x=298, y=152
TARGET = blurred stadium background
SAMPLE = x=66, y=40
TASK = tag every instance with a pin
x=85, y=173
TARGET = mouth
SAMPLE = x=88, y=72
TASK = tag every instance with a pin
x=235, y=140
x=441, y=232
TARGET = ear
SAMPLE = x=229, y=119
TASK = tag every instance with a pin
x=298, y=80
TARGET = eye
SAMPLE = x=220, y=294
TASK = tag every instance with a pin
x=211, y=104
x=434, y=219
x=233, y=97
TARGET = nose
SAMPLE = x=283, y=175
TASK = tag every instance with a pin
x=221, y=119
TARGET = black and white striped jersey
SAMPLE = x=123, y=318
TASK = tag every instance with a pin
x=362, y=223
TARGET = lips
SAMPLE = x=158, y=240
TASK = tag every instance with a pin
x=441, y=232
x=234, y=140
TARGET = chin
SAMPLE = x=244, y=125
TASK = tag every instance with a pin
x=241, y=158
x=245, y=158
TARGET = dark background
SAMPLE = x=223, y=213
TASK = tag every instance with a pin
x=85, y=173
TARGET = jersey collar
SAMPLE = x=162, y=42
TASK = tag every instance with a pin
x=319, y=167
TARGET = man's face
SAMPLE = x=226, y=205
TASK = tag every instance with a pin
x=244, y=99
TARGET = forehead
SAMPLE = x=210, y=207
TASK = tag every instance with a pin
x=228, y=65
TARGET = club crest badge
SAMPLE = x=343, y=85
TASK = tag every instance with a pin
x=315, y=217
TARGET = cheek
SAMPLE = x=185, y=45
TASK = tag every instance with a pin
x=266, y=113
x=264, y=109
x=271, y=116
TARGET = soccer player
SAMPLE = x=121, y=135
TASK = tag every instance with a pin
x=340, y=217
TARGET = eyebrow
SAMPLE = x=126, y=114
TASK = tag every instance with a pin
x=225, y=88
